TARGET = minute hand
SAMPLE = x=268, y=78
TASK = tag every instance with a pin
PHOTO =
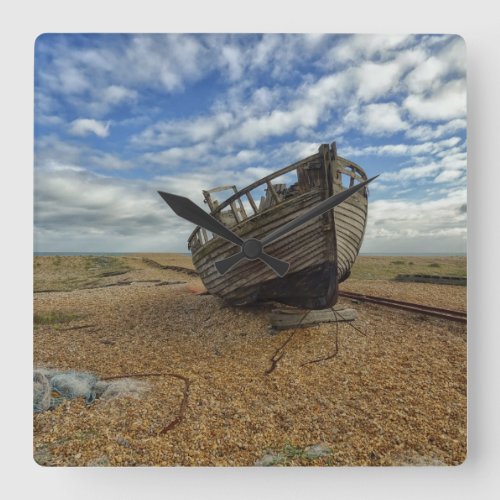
x=316, y=211
x=188, y=210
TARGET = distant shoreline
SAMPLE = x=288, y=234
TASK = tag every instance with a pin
x=374, y=254
x=111, y=254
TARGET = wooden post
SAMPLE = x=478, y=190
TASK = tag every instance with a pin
x=208, y=199
x=235, y=211
x=242, y=208
x=273, y=191
x=333, y=150
x=252, y=202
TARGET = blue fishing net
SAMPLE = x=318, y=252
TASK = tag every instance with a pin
x=52, y=387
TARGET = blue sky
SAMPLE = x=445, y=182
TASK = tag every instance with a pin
x=118, y=117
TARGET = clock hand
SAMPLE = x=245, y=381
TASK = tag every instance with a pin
x=280, y=267
x=257, y=252
x=250, y=249
x=224, y=265
x=188, y=210
x=317, y=210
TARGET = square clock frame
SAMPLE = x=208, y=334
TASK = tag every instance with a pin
x=300, y=298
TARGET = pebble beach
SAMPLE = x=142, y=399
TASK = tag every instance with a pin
x=392, y=391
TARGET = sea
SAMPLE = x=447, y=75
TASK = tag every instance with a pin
x=70, y=254
x=414, y=254
x=375, y=254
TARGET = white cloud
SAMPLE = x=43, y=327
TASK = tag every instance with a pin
x=234, y=60
x=201, y=128
x=259, y=172
x=372, y=119
x=69, y=79
x=311, y=103
x=191, y=184
x=430, y=74
x=448, y=176
x=223, y=124
x=109, y=161
x=427, y=132
x=411, y=173
x=178, y=155
x=376, y=79
x=96, y=78
x=116, y=94
x=262, y=99
x=86, y=126
x=248, y=155
x=67, y=198
x=454, y=159
x=426, y=75
x=159, y=61
x=202, y=155
x=357, y=47
x=294, y=150
x=417, y=226
x=382, y=118
x=446, y=103
x=448, y=168
x=265, y=113
x=365, y=86
x=279, y=55
x=51, y=120
x=430, y=147
x=307, y=108
x=53, y=153
x=265, y=51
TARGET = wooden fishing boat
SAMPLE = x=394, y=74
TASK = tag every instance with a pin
x=321, y=252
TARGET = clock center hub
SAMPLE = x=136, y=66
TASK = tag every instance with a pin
x=252, y=248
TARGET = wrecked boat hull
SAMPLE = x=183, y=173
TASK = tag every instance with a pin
x=320, y=253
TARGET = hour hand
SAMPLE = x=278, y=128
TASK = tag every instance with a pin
x=280, y=267
x=251, y=249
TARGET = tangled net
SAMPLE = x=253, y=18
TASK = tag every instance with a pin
x=52, y=387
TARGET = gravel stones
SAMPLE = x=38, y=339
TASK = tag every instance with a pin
x=394, y=393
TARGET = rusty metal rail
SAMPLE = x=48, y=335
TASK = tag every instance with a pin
x=438, y=312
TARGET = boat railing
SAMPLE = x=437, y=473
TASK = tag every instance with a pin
x=237, y=212
x=348, y=169
x=246, y=192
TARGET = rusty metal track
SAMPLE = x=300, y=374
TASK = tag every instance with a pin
x=438, y=312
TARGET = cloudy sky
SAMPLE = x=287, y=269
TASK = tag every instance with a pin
x=118, y=117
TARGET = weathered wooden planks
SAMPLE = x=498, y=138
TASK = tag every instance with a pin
x=350, y=224
x=321, y=252
x=301, y=248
